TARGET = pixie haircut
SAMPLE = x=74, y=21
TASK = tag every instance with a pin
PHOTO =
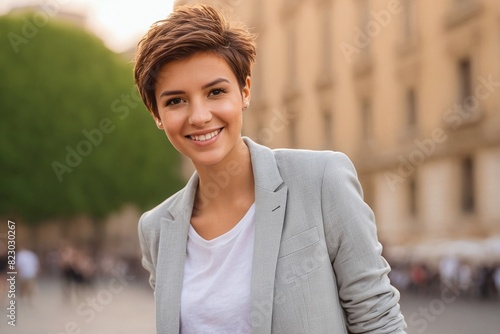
x=186, y=31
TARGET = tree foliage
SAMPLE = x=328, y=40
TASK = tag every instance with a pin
x=74, y=136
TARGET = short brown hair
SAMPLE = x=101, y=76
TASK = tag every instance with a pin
x=187, y=31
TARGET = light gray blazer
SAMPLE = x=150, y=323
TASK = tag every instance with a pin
x=317, y=265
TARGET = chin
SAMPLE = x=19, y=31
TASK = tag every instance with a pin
x=206, y=159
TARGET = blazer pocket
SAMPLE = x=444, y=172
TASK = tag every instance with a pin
x=299, y=241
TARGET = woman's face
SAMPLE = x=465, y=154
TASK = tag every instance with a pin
x=200, y=107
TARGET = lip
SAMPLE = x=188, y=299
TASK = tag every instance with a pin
x=205, y=142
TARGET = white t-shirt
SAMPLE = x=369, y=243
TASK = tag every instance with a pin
x=216, y=286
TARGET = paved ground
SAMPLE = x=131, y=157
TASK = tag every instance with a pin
x=449, y=314
x=123, y=306
x=118, y=306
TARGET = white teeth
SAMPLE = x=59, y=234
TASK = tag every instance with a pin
x=205, y=137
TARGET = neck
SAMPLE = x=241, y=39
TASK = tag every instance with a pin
x=227, y=183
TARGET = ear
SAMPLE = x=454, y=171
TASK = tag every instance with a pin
x=245, y=92
x=159, y=124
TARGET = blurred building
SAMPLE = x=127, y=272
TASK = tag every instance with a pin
x=409, y=89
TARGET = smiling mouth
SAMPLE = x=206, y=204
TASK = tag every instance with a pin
x=206, y=136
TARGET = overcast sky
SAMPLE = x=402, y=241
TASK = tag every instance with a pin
x=120, y=23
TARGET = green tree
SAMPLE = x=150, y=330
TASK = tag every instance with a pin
x=74, y=137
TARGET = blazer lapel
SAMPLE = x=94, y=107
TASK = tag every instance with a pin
x=270, y=198
x=171, y=259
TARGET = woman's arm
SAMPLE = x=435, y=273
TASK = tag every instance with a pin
x=369, y=300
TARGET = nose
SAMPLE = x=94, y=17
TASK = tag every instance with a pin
x=199, y=114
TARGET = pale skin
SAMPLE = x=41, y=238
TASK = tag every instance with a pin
x=200, y=106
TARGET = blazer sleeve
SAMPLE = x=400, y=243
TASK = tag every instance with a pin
x=147, y=260
x=366, y=295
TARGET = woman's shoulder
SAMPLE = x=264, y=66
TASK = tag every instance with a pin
x=152, y=218
x=310, y=168
x=312, y=159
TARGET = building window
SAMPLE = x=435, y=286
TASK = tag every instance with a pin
x=467, y=101
x=410, y=20
x=364, y=15
x=411, y=109
x=292, y=132
x=367, y=120
x=412, y=197
x=468, y=198
x=465, y=79
x=326, y=37
x=366, y=181
x=291, y=43
x=262, y=136
x=258, y=81
x=462, y=11
x=328, y=127
x=463, y=2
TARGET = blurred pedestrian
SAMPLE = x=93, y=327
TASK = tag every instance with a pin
x=448, y=270
x=400, y=276
x=418, y=275
x=485, y=281
x=3, y=273
x=496, y=279
x=28, y=266
x=78, y=270
x=465, y=279
x=259, y=240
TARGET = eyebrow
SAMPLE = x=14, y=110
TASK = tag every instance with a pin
x=205, y=86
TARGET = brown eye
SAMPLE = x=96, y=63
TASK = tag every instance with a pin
x=217, y=91
x=174, y=101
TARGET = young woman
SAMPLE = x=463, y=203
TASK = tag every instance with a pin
x=259, y=240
